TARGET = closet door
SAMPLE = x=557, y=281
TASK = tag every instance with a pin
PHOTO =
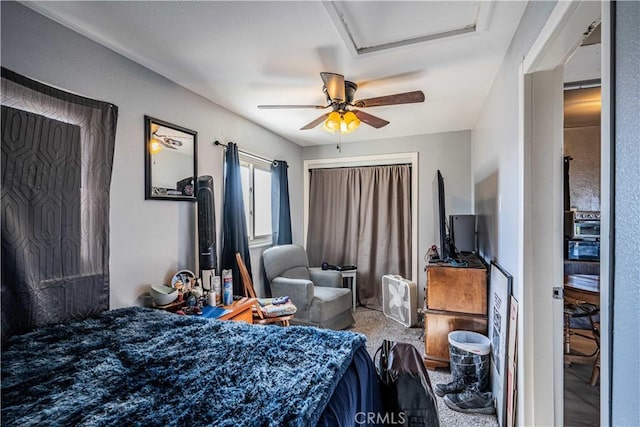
x=362, y=216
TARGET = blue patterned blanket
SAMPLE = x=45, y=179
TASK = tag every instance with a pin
x=137, y=366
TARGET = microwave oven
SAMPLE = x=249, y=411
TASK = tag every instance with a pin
x=582, y=225
x=586, y=230
x=583, y=250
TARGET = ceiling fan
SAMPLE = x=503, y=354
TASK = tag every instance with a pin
x=340, y=95
x=158, y=141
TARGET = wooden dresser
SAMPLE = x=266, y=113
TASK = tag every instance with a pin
x=456, y=300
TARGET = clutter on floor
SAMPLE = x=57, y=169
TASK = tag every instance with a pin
x=405, y=384
x=469, y=362
x=377, y=327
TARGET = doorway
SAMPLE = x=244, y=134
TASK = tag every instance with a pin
x=581, y=250
x=541, y=143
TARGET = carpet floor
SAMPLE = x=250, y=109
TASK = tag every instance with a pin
x=377, y=327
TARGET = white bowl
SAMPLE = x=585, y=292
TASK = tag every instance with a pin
x=163, y=295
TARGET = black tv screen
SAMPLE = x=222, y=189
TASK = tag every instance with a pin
x=442, y=220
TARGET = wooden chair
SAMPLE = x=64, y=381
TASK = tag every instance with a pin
x=577, y=308
x=595, y=372
x=258, y=317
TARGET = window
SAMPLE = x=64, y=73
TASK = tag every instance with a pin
x=256, y=192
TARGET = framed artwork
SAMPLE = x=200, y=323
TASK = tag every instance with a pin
x=512, y=363
x=500, y=283
x=171, y=161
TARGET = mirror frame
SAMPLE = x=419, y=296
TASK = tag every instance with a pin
x=148, y=193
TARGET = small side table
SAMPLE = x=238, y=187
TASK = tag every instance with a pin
x=240, y=310
x=351, y=274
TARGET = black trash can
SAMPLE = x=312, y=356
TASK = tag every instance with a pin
x=469, y=357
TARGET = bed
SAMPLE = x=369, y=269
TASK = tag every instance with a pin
x=139, y=366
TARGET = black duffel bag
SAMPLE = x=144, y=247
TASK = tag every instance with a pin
x=406, y=389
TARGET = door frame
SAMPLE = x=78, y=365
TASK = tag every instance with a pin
x=542, y=317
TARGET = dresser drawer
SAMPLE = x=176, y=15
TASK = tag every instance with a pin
x=437, y=326
x=462, y=290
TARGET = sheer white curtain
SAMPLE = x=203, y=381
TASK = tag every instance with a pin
x=362, y=216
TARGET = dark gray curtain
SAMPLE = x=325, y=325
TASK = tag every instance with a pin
x=57, y=157
x=234, y=222
x=280, y=211
x=362, y=216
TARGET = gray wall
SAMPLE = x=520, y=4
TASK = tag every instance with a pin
x=625, y=380
x=449, y=152
x=494, y=154
x=150, y=240
x=494, y=145
x=498, y=191
x=583, y=145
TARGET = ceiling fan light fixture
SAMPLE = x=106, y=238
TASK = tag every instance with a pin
x=350, y=122
x=155, y=146
x=341, y=122
x=333, y=122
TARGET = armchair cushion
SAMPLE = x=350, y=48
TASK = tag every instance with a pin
x=328, y=278
x=286, y=261
x=299, y=291
x=296, y=273
x=329, y=303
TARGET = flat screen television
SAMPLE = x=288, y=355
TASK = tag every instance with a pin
x=445, y=249
x=465, y=230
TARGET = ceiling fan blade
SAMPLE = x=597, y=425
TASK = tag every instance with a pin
x=276, y=107
x=398, y=98
x=334, y=83
x=369, y=119
x=316, y=122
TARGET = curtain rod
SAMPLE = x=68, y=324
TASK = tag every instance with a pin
x=244, y=153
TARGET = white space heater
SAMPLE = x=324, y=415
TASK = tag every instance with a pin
x=400, y=299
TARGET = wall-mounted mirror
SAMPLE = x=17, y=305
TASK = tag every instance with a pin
x=171, y=161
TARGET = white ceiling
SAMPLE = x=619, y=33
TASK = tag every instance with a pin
x=240, y=54
x=584, y=64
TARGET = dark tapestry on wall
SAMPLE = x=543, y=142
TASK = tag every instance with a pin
x=57, y=156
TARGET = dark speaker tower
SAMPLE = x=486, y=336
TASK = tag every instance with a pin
x=206, y=224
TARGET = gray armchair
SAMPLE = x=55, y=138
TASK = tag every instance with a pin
x=318, y=294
